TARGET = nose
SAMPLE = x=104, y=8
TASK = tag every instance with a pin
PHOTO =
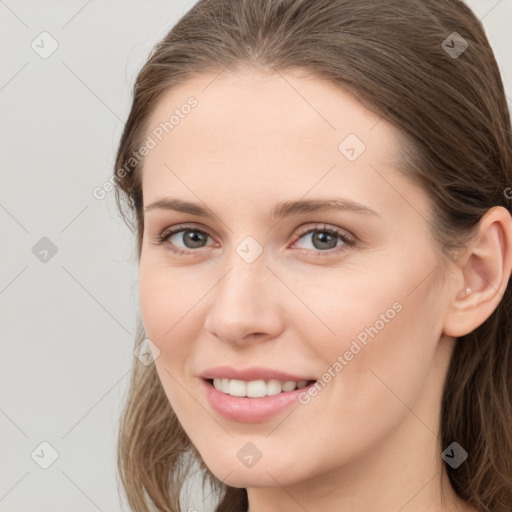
x=246, y=304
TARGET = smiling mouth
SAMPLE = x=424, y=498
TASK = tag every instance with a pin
x=257, y=388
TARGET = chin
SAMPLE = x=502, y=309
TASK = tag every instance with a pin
x=266, y=472
x=249, y=477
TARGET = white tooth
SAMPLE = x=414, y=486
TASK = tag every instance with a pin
x=289, y=385
x=256, y=388
x=273, y=387
x=224, y=385
x=237, y=388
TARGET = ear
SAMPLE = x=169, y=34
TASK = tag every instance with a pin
x=482, y=274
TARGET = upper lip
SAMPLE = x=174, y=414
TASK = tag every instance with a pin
x=249, y=374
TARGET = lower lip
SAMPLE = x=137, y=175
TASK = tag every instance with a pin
x=250, y=410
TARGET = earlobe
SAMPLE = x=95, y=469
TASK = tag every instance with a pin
x=484, y=271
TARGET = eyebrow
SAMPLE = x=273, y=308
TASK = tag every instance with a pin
x=280, y=211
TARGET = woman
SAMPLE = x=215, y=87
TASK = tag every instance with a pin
x=319, y=193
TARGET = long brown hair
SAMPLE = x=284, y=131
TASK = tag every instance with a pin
x=397, y=57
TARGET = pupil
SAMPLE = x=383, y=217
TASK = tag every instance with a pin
x=323, y=237
x=193, y=238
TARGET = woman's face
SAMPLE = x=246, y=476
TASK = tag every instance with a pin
x=348, y=294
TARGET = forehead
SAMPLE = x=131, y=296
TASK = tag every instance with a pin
x=267, y=133
x=266, y=108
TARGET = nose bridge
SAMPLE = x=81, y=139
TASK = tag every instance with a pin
x=245, y=299
x=247, y=273
x=244, y=287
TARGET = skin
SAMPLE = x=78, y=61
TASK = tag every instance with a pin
x=369, y=439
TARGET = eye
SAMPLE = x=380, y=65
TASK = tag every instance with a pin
x=324, y=239
x=192, y=237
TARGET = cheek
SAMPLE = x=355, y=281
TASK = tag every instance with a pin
x=347, y=308
x=382, y=327
x=397, y=350
x=170, y=307
x=163, y=311
x=162, y=303
x=152, y=300
x=161, y=291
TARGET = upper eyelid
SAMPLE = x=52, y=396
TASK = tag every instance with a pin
x=302, y=231
x=179, y=228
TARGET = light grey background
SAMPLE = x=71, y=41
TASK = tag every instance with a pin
x=68, y=324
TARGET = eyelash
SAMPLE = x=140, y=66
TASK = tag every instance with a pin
x=348, y=242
